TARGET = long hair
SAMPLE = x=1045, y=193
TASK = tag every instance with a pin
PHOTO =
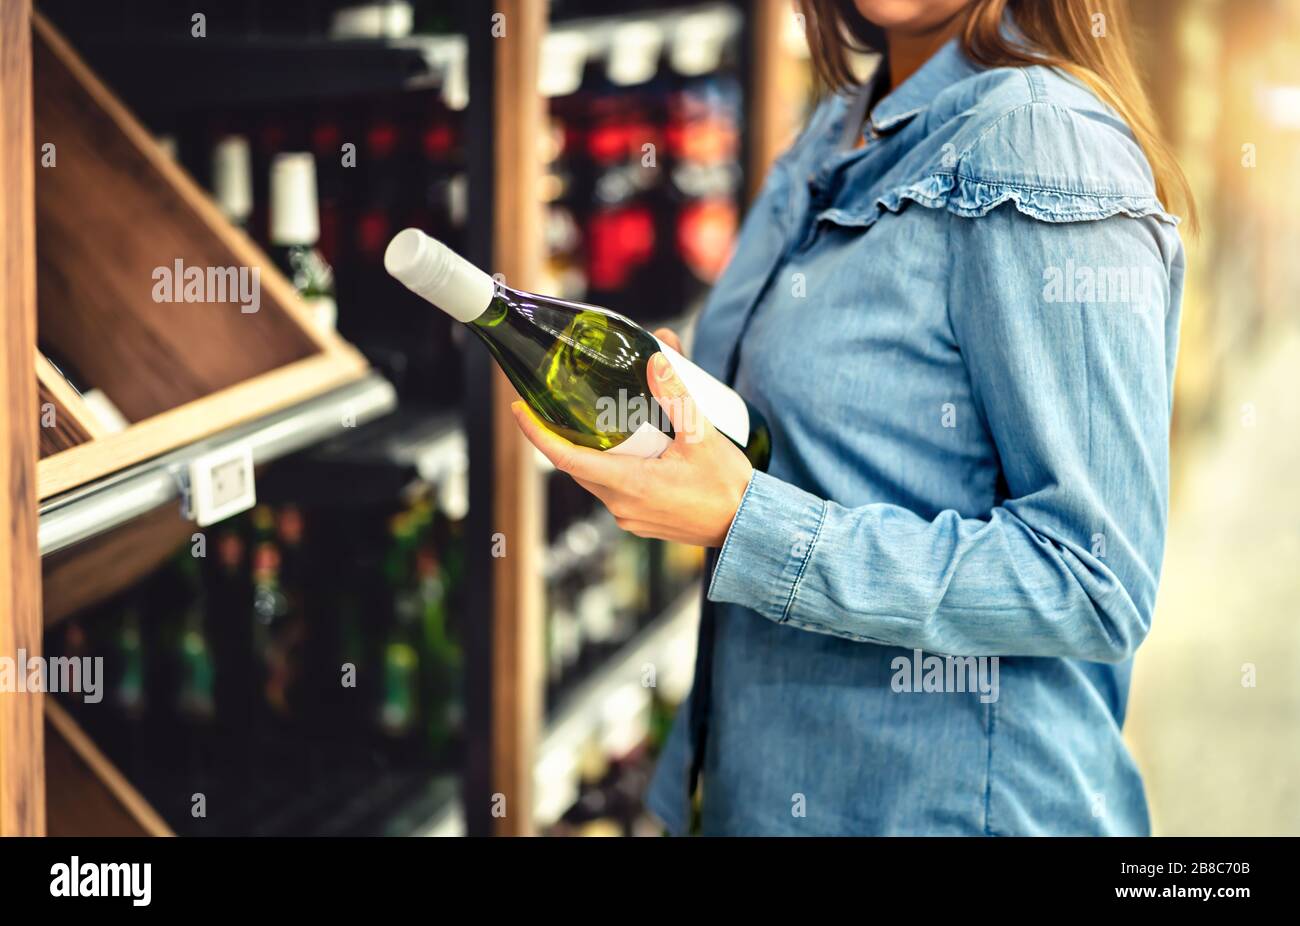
x=1062, y=34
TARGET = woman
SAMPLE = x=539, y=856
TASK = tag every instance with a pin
x=956, y=303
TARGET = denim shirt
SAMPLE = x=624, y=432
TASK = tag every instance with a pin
x=962, y=335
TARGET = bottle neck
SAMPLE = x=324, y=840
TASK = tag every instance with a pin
x=294, y=241
x=497, y=310
x=436, y=273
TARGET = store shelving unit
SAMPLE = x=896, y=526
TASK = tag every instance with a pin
x=612, y=707
x=114, y=500
x=178, y=372
x=118, y=528
x=188, y=379
x=272, y=381
x=22, y=753
x=94, y=798
x=275, y=69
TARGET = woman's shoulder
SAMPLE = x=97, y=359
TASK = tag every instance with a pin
x=1040, y=138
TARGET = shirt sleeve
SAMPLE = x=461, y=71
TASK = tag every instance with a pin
x=1071, y=382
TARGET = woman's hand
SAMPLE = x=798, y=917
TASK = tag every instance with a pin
x=689, y=494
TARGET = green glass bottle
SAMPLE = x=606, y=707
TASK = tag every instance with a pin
x=440, y=680
x=130, y=693
x=270, y=646
x=295, y=233
x=400, y=667
x=581, y=368
x=196, y=698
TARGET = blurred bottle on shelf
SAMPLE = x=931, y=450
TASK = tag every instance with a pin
x=274, y=641
x=223, y=671
x=128, y=691
x=378, y=164
x=295, y=232
x=421, y=707
x=108, y=416
x=602, y=585
x=610, y=796
x=383, y=19
x=226, y=587
x=680, y=565
x=594, y=812
x=75, y=644
x=644, y=158
x=196, y=688
x=326, y=139
x=125, y=724
x=441, y=679
x=398, y=710
x=232, y=179
x=293, y=561
x=563, y=638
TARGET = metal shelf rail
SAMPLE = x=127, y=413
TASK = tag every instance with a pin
x=110, y=502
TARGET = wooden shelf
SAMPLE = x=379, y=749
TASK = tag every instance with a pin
x=87, y=795
x=111, y=212
x=22, y=766
x=111, y=501
x=97, y=569
x=70, y=422
x=269, y=70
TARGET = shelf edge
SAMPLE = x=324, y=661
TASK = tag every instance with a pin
x=101, y=506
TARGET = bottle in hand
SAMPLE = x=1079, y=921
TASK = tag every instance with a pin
x=581, y=368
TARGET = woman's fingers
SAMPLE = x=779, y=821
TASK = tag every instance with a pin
x=567, y=457
x=607, y=496
x=669, y=337
x=641, y=528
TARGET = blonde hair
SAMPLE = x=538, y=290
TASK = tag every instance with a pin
x=1058, y=34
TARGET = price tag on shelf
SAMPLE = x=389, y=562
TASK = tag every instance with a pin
x=221, y=484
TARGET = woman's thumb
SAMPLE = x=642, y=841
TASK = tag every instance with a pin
x=675, y=401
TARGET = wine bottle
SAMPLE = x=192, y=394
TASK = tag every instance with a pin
x=581, y=368
x=270, y=615
x=295, y=232
x=440, y=662
x=399, y=707
x=232, y=179
x=195, y=697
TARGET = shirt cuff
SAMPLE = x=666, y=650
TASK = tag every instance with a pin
x=768, y=547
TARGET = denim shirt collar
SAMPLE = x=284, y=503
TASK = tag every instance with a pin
x=944, y=68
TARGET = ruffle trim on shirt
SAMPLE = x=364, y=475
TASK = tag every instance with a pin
x=973, y=198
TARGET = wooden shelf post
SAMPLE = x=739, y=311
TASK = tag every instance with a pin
x=517, y=602
x=22, y=753
x=773, y=98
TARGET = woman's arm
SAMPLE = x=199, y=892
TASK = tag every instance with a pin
x=1076, y=400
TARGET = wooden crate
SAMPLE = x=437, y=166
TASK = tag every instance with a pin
x=110, y=211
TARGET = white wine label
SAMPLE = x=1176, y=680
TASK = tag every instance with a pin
x=722, y=405
x=646, y=441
